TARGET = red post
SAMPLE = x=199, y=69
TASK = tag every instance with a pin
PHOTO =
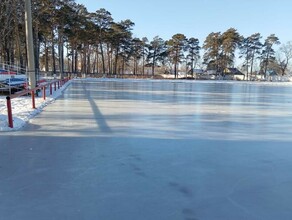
x=44, y=92
x=33, y=99
x=51, y=89
x=9, y=111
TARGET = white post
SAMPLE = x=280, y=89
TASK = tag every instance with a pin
x=29, y=44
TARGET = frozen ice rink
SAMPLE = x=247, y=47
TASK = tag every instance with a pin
x=153, y=150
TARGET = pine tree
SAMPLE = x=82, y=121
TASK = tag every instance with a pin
x=213, y=51
x=230, y=40
x=157, y=51
x=193, y=50
x=250, y=50
x=176, y=47
x=103, y=19
x=268, y=53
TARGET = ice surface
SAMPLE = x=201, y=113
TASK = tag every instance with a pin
x=161, y=150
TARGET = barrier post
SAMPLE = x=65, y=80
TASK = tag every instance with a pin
x=51, y=89
x=44, y=92
x=33, y=99
x=55, y=84
x=9, y=111
x=58, y=84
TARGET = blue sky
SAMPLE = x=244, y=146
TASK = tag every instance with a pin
x=198, y=18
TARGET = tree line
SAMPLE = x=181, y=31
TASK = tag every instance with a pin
x=69, y=38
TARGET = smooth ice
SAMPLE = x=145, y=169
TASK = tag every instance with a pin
x=152, y=150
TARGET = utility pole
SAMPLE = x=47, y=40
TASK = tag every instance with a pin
x=29, y=45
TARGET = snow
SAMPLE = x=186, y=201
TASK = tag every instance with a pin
x=22, y=110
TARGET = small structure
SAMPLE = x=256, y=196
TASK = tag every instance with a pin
x=196, y=72
x=271, y=75
x=208, y=74
x=233, y=74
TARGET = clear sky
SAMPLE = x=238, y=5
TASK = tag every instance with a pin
x=198, y=18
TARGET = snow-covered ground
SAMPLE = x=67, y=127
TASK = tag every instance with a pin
x=22, y=110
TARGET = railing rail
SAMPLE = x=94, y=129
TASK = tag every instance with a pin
x=55, y=83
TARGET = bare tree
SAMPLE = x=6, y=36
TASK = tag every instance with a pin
x=284, y=57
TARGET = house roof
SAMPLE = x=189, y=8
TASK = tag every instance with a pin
x=233, y=71
x=150, y=65
x=197, y=71
x=271, y=73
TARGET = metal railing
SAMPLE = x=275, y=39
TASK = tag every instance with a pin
x=55, y=84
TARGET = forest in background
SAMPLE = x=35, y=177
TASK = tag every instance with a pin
x=69, y=38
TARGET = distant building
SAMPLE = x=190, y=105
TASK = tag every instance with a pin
x=198, y=71
x=233, y=74
x=271, y=73
x=208, y=74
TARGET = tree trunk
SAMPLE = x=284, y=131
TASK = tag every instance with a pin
x=53, y=52
x=37, y=52
x=153, y=64
x=175, y=64
x=135, y=65
x=19, y=56
x=61, y=54
x=251, y=63
x=102, y=57
x=87, y=60
x=109, y=65
x=46, y=55
x=175, y=70
x=116, y=59
x=73, y=59
x=68, y=61
x=192, y=66
x=247, y=68
x=76, y=61
x=123, y=66
x=95, y=63
x=143, y=67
